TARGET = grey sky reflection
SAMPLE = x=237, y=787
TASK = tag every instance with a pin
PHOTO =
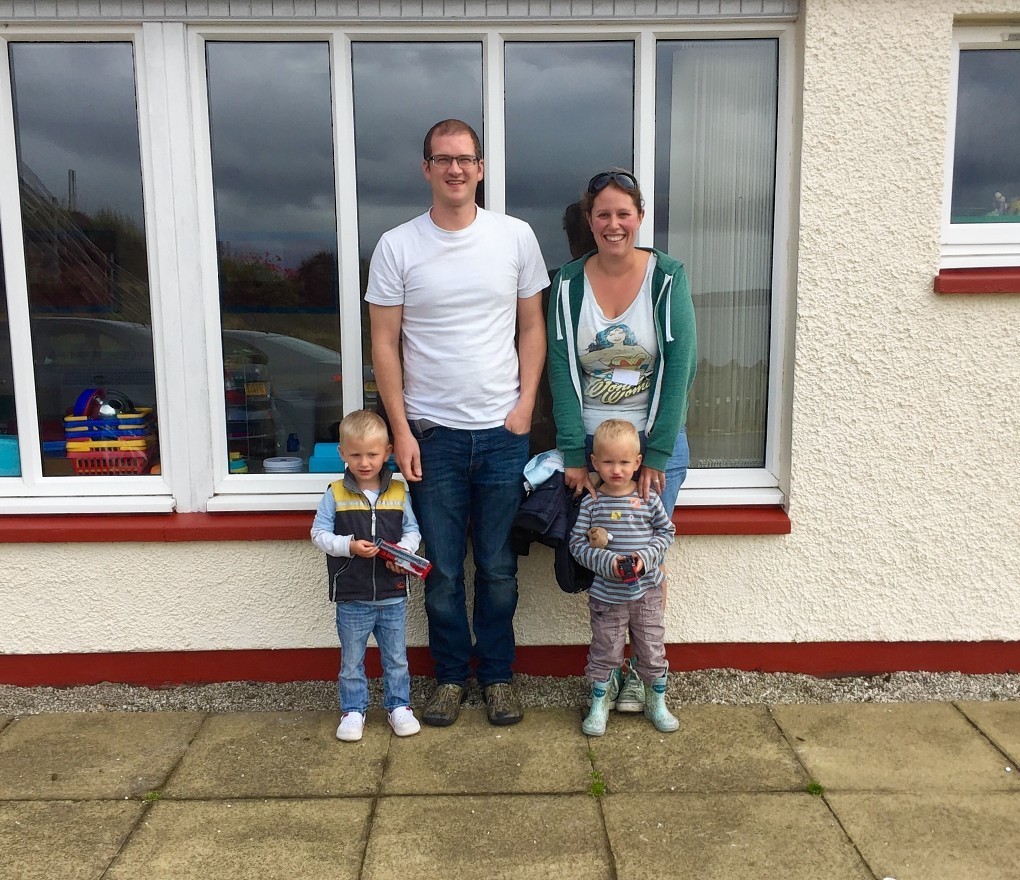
x=987, y=131
x=75, y=109
x=271, y=126
x=569, y=114
x=400, y=91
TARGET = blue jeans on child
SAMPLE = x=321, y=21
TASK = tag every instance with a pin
x=471, y=477
x=388, y=622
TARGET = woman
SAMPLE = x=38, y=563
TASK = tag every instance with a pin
x=622, y=344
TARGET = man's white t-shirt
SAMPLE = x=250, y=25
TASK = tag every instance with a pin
x=459, y=292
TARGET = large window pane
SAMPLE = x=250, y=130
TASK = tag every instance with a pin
x=88, y=290
x=569, y=115
x=986, y=173
x=716, y=104
x=400, y=91
x=271, y=126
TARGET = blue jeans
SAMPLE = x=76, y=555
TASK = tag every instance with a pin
x=354, y=622
x=676, y=467
x=476, y=477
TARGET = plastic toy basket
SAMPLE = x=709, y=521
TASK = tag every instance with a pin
x=110, y=462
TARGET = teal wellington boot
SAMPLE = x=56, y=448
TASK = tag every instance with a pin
x=602, y=697
x=655, y=707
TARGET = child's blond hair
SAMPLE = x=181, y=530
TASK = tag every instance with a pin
x=363, y=424
x=613, y=431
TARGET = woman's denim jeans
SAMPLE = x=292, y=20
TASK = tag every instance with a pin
x=354, y=622
x=476, y=477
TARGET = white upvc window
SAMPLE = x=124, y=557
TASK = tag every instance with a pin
x=981, y=206
x=270, y=159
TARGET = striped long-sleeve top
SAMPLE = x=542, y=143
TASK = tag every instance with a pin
x=637, y=527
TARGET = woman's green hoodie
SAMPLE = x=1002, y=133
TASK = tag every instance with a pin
x=672, y=373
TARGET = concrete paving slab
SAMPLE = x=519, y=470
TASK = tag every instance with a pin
x=927, y=836
x=893, y=747
x=717, y=748
x=72, y=840
x=496, y=837
x=244, y=839
x=1000, y=722
x=546, y=752
x=92, y=755
x=728, y=836
x=280, y=754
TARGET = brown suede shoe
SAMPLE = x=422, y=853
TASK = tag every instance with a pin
x=502, y=705
x=443, y=706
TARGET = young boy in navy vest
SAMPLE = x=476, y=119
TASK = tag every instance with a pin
x=370, y=594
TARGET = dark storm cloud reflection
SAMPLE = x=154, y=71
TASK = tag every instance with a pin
x=75, y=110
x=400, y=90
x=271, y=127
x=569, y=114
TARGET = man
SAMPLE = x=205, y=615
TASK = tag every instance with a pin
x=454, y=284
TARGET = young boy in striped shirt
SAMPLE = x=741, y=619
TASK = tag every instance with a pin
x=639, y=533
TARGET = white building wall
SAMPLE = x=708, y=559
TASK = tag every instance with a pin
x=905, y=426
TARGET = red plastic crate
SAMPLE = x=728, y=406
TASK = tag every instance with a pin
x=111, y=462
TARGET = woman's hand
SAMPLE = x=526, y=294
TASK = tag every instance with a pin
x=579, y=479
x=651, y=479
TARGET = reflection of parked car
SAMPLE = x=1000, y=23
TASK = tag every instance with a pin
x=72, y=353
x=298, y=367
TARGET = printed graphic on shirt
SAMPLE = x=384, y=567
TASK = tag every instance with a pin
x=615, y=366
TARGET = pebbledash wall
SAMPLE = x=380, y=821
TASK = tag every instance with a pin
x=902, y=492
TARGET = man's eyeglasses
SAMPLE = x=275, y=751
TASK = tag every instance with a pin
x=447, y=161
x=623, y=179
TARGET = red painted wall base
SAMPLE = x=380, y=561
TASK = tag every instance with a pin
x=823, y=659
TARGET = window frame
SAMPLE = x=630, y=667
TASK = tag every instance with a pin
x=180, y=236
x=974, y=245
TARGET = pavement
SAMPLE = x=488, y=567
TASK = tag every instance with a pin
x=849, y=791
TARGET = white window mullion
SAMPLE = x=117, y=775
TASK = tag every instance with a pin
x=17, y=294
x=493, y=112
x=344, y=163
x=207, y=265
x=644, y=129
x=173, y=264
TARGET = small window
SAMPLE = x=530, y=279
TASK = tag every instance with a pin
x=981, y=224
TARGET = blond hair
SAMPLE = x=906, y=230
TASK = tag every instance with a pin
x=616, y=430
x=363, y=424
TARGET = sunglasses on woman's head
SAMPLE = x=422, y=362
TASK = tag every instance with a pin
x=623, y=179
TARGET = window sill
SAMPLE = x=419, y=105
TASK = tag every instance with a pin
x=296, y=526
x=1000, y=279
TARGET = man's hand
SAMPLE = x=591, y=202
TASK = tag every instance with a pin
x=408, y=457
x=518, y=421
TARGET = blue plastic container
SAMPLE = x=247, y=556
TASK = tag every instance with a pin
x=10, y=457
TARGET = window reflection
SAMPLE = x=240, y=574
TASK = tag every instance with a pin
x=270, y=120
x=986, y=177
x=84, y=231
x=716, y=111
x=569, y=115
x=400, y=91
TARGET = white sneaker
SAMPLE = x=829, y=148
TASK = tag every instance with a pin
x=352, y=725
x=403, y=722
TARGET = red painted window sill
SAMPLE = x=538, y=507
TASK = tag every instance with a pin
x=1004, y=279
x=296, y=526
